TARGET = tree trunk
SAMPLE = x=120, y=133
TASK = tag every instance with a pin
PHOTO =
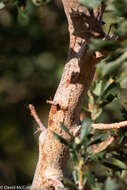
x=68, y=100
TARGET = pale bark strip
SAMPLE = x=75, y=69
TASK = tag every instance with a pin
x=101, y=126
x=67, y=103
x=104, y=126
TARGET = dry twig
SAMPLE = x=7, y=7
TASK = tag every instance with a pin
x=100, y=126
x=103, y=126
x=36, y=118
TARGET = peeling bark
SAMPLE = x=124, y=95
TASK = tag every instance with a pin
x=77, y=76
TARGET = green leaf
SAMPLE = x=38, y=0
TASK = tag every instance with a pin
x=123, y=154
x=73, y=156
x=96, y=112
x=122, y=79
x=75, y=175
x=101, y=66
x=121, y=140
x=91, y=97
x=115, y=164
x=91, y=4
x=113, y=67
x=110, y=185
x=119, y=163
x=98, y=186
x=98, y=139
x=86, y=128
x=120, y=8
x=69, y=184
x=111, y=57
x=98, y=156
x=23, y=18
x=61, y=139
x=40, y=2
x=108, y=99
x=2, y=5
x=124, y=113
x=98, y=88
x=99, y=45
x=89, y=177
x=122, y=30
x=122, y=136
x=107, y=85
x=66, y=129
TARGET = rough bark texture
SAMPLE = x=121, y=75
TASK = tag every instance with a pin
x=67, y=103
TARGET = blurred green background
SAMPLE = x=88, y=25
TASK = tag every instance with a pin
x=33, y=50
